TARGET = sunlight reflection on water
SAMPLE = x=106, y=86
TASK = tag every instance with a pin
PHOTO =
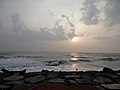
x=74, y=67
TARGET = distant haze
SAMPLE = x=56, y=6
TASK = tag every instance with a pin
x=50, y=25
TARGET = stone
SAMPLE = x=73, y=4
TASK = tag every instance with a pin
x=52, y=75
x=14, y=78
x=107, y=70
x=86, y=76
x=72, y=76
x=56, y=80
x=102, y=80
x=72, y=81
x=2, y=87
x=15, y=83
x=35, y=79
x=110, y=75
x=111, y=86
x=84, y=81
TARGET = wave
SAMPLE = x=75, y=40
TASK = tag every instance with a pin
x=35, y=57
x=109, y=58
x=55, y=63
x=81, y=60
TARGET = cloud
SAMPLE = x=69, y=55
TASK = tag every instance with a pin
x=70, y=23
x=24, y=33
x=102, y=38
x=51, y=13
x=69, y=27
x=96, y=12
x=0, y=24
x=18, y=25
x=19, y=35
x=112, y=12
x=90, y=12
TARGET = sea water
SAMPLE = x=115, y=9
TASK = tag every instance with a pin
x=58, y=61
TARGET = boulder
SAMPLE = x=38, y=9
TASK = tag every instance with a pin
x=102, y=80
x=14, y=78
x=84, y=81
x=111, y=86
x=72, y=76
x=86, y=75
x=15, y=83
x=56, y=80
x=107, y=70
x=4, y=87
x=35, y=79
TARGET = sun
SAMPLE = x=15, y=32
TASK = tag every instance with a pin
x=74, y=39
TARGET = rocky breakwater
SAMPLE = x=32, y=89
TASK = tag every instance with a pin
x=107, y=79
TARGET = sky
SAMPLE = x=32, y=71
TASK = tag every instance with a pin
x=60, y=25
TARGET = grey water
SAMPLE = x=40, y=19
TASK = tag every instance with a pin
x=64, y=61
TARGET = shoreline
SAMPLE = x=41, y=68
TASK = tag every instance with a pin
x=107, y=79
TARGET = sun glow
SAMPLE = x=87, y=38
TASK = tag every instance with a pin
x=74, y=39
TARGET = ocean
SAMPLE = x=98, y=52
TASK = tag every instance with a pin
x=58, y=61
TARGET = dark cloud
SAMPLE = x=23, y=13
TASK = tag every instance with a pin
x=93, y=13
x=18, y=25
x=90, y=13
x=70, y=23
x=67, y=25
x=22, y=33
x=112, y=12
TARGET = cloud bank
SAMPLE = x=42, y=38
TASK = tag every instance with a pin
x=101, y=11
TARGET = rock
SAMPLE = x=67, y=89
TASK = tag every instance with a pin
x=35, y=79
x=5, y=71
x=72, y=76
x=113, y=76
x=88, y=76
x=72, y=81
x=15, y=83
x=52, y=75
x=111, y=86
x=56, y=80
x=4, y=87
x=102, y=80
x=84, y=81
x=14, y=78
x=107, y=70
